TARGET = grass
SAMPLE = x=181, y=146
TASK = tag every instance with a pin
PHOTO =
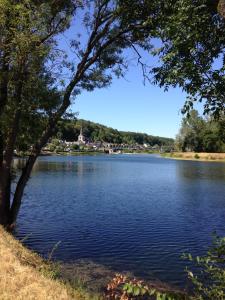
x=201, y=156
x=25, y=275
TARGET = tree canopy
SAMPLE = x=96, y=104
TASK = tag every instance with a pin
x=192, y=51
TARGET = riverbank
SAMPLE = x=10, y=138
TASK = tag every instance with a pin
x=89, y=153
x=25, y=275
x=202, y=156
x=86, y=153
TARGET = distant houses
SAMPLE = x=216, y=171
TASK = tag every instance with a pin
x=85, y=144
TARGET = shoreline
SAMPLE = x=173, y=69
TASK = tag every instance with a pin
x=188, y=156
x=192, y=156
x=83, y=153
x=26, y=275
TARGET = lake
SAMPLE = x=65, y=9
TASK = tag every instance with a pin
x=136, y=213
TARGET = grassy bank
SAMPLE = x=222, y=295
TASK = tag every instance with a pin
x=201, y=156
x=25, y=275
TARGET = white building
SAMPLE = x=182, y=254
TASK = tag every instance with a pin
x=81, y=137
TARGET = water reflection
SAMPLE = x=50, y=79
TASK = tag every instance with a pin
x=79, y=167
x=200, y=170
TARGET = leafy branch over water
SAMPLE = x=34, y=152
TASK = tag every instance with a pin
x=210, y=283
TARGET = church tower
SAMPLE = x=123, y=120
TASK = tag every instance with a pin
x=81, y=138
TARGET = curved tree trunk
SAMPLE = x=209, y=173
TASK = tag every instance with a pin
x=26, y=172
x=17, y=199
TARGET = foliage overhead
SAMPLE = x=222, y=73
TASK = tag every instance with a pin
x=192, y=52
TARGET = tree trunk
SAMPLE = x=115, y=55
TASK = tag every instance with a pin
x=5, y=191
x=6, y=158
x=4, y=86
x=17, y=199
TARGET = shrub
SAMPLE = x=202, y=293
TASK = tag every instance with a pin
x=209, y=281
x=124, y=288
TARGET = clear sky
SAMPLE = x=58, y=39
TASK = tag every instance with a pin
x=130, y=106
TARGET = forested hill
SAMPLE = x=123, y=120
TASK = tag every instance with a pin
x=70, y=129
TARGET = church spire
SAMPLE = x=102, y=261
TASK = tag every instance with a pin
x=81, y=138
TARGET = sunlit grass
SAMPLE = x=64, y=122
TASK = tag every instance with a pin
x=25, y=275
x=196, y=156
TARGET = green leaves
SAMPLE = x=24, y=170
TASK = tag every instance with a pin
x=201, y=134
x=210, y=282
x=193, y=48
x=122, y=287
x=137, y=290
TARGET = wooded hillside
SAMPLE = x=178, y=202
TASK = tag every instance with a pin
x=70, y=129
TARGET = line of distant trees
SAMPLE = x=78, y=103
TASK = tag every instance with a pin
x=70, y=129
x=200, y=134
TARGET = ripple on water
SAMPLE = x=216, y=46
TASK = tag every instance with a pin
x=137, y=213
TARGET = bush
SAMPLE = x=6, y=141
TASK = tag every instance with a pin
x=124, y=288
x=209, y=280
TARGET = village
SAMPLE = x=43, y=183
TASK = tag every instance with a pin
x=83, y=145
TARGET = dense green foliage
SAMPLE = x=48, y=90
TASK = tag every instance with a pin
x=201, y=134
x=69, y=130
x=192, y=52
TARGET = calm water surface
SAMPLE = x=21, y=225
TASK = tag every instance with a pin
x=129, y=212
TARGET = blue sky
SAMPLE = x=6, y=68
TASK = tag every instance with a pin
x=130, y=106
